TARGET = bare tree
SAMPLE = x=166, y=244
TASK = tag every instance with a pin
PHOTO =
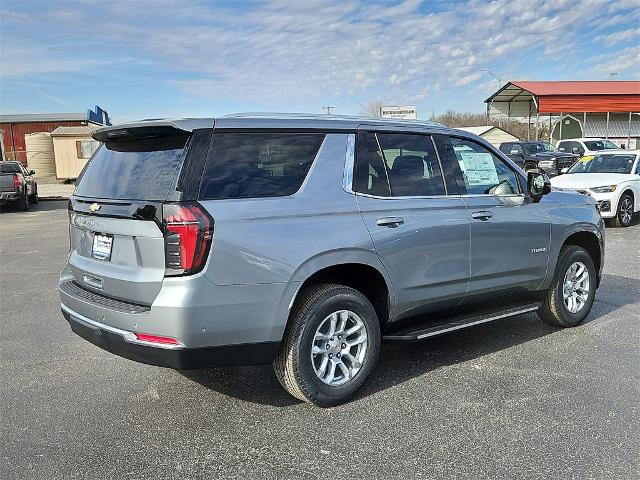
x=372, y=109
x=516, y=128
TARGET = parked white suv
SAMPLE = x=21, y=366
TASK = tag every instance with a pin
x=612, y=178
x=585, y=146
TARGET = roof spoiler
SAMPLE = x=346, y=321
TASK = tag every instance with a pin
x=151, y=128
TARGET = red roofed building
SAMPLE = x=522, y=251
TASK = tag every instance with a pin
x=607, y=109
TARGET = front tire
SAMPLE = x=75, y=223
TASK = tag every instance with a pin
x=572, y=291
x=330, y=346
x=624, y=215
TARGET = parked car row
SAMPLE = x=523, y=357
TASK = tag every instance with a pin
x=613, y=178
x=543, y=155
x=17, y=185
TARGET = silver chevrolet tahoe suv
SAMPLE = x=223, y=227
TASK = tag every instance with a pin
x=307, y=241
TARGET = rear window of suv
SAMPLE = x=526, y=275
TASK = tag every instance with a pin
x=253, y=165
x=134, y=169
x=9, y=168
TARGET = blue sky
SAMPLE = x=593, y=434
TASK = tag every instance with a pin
x=142, y=59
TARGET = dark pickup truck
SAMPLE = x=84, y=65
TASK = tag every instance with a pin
x=17, y=185
x=542, y=155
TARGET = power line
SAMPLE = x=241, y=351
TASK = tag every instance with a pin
x=328, y=109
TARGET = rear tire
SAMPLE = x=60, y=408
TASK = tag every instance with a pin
x=572, y=291
x=34, y=197
x=23, y=203
x=624, y=215
x=318, y=336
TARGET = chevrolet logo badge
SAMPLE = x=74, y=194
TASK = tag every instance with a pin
x=94, y=207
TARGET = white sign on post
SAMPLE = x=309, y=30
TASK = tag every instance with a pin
x=406, y=112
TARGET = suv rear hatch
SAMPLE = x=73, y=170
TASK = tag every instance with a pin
x=131, y=223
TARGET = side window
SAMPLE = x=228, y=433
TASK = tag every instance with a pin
x=562, y=146
x=517, y=148
x=412, y=164
x=569, y=146
x=254, y=165
x=506, y=147
x=638, y=168
x=482, y=171
x=86, y=148
x=370, y=174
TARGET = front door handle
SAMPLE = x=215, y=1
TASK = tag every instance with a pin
x=482, y=215
x=391, y=222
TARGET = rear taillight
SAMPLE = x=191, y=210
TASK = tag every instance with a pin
x=16, y=181
x=187, y=237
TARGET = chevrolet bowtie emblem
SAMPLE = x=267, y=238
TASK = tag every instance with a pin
x=94, y=207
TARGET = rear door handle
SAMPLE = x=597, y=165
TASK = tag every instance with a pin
x=391, y=222
x=482, y=215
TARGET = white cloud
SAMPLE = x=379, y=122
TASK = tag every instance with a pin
x=627, y=60
x=305, y=49
x=622, y=36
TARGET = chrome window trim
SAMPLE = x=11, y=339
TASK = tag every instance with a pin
x=349, y=163
x=128, y=336
x=435, y=197
x=349, y=166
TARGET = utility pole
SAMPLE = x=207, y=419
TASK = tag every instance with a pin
x=328, y=109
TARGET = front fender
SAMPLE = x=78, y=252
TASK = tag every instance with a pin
x=571, y=218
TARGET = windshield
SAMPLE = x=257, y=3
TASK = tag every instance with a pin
x=595, y=145
x=614, y=163
x=537, y=147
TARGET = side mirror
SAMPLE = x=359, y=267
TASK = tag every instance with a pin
x=32, y=172
x=538, y=184
x=575, y=150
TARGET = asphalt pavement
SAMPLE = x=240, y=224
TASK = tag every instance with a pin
x=509, y=399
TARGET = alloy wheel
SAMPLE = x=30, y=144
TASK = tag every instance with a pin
x=626, y=211
x=339, y=347
x=575, y=288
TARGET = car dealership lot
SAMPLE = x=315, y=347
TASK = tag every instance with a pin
x=513, y=398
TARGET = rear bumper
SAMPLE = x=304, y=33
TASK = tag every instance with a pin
x=9, y=197
x=124, y=344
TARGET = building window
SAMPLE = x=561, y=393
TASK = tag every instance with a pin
x=85, y=148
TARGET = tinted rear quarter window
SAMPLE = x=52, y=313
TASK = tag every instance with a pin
x=259, y=164
x=137, y=169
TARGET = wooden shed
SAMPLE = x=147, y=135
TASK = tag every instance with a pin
x=73, y=146
x=492, y=134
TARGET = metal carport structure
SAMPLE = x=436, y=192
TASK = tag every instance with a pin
x=532, y=98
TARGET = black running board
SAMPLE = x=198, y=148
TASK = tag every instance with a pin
x=456, y=323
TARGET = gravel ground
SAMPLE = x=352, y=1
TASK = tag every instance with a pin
x=509, y=399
